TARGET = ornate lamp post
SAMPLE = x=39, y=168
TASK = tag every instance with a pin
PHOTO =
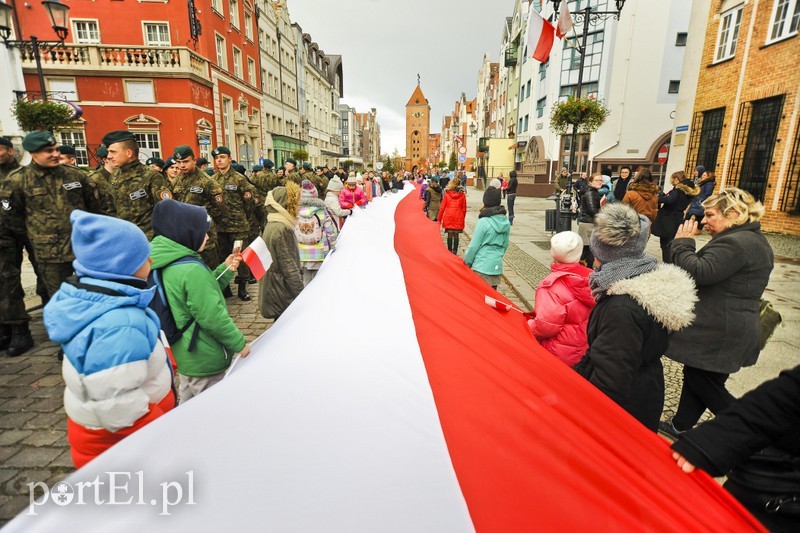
x=58, y=19
x=586, y=16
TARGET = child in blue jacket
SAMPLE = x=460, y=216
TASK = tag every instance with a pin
x=490, y=239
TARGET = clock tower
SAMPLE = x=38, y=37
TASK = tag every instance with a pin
x=417, y=130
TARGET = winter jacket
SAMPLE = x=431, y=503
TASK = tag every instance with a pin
x=563, y=304
x=621, y=187
x=706, y=189
x=332, y=203
x=489, y=242
x=116, y=370
x=283, y=281
x=433, y=200
x=309, y=209
x=643, y=198
x=673, y=205
x=453, y=209
x=194, y=292
x=628, y=332
x=590, y=205
x=349, y=198
x=512, y=186
x=731, y=272
x=422, y=190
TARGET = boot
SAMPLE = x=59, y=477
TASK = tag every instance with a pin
x=5, y=336
x=252, y=280
x=21, y=340
x=242, y=293
x=227, y=293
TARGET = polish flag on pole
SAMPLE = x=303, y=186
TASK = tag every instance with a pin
x=257, y=257
x=564, y=21
x=541, y=35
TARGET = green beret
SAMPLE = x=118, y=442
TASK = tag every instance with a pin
x=292, y=161
x=239, y=168
x=209, y=171
x=268, y=163
x=117, y=137
x=155, y=161
x=182, y=152
x=66, y=149
x=36, y=140
x=202, y=161
x=102, y=151
x=5, y=141
x=168, y=163
x=257, y=168
x=220, y=150
x=307, y=166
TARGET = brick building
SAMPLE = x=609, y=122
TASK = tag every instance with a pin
x=746, y=109
x=418, y=124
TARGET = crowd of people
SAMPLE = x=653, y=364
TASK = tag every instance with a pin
x=158, y=244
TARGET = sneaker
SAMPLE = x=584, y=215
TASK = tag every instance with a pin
x=667, y=428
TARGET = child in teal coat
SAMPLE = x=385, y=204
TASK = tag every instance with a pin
x=490, y=240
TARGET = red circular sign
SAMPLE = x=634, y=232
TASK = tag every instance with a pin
x=662, y=154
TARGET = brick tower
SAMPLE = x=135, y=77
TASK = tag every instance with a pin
x=418, y=113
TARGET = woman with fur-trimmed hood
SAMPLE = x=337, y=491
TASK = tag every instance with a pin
x=636, y=311
x=642, y=195
x=706, y=181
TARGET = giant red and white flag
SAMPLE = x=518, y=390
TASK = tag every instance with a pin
x=423, y=410
x=541, y=35
x=564, y=20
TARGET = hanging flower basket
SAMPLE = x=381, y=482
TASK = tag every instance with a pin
x=587, y=114
x=49, y=116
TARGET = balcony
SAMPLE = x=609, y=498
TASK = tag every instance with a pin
x=511, y=56
x=99, y=60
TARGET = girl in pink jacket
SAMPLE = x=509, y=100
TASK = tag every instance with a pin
x=564, y=301
x=352, y=195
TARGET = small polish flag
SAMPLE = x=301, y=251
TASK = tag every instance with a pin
x=497, y=304
x=168, y=349
x=541, y=35
x=564, y=23
x=257, y=257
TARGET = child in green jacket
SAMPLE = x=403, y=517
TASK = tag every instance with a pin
x=194, y=292
x=490, y=240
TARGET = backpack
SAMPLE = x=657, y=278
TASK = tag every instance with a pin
x=160, y=305
x=308, y=229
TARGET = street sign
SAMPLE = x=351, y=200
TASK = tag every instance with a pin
x=462, y=150
x=679, y=129
x=663, y=153
x=462, y=158
x=379, y=165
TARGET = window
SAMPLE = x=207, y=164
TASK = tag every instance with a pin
x=674, y=86
x=519, y=126
x=528, y=89
x=756, y=134
x=222, y=54
x=216, y=5
x=251, y=71
x=785, y=19
x=540, y=105
x=62, y=88
x=570, y=60
x=706, y=134
x=522, y=93
x=148, y=144
x=581, y=152
x=85, y=31
x=140, y=91
x=248, y=26
x=525, y=124
x=680, y=39
x=237, y=62
x=156, y=34
x=227, y=117
x=234, y=14
x=587, y=89
x=729, y=23
x=263, y=77
x=78, y=140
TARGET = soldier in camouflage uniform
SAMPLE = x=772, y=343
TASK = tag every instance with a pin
x=135, y=189
x=192, y=186
x=102, y=178
x=320, y=180
x=256, y=216
x=42, y=196
x=238, y=194
x=291, y=173
x=15, y=336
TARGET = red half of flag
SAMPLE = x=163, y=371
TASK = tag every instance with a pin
x=541, y=35
x=257, y=257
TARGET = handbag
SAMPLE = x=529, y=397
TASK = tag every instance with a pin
x=661, y=226
x=768, y=319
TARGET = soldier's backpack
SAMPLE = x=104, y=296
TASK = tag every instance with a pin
x=160, y=305
x=308, y=229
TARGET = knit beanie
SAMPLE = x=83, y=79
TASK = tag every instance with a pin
x=335, y=184
x=107, y=247
x=700, y=169
x=351, y=178
x=491, y=197
x=308, y=190
x=619, y=232
x=496, y=183
x=183, y=223
x=566, y=247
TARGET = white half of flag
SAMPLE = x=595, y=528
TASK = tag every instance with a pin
x=257, y=257
x=564, y=20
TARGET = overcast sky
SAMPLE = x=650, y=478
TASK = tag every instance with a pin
x=385, y=43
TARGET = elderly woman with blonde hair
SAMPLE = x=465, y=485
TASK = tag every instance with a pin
x=731, y=272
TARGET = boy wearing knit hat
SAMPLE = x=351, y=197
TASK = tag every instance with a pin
x=490, y=239
x=564, y=301
x=117, y=373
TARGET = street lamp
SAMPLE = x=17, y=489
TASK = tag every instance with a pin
x=58, y=20
x=585, y=16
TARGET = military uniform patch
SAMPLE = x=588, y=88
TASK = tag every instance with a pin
x=196, y=190
x=248, y=195
x=218, y=198
x=138, y=195
x=6, y=205
x=165, y=195
x=72, y=185
x=231, y=188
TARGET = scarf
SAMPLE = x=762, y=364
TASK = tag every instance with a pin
x=281, y=215
x=609, y=273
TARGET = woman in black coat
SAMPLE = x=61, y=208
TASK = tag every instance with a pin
x=590, y=206
x=766, y=416
x=671, y=208
x=731, y=272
